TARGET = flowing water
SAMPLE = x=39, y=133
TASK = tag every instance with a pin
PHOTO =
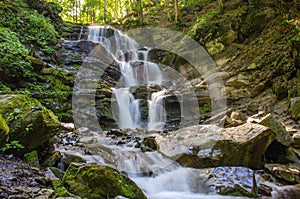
x=159, y=177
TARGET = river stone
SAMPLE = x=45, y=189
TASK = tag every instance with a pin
x=29, y=122
x=93, y=180
x=289, y=173
x=237, y=181
x=4, y=130
x=209, y=146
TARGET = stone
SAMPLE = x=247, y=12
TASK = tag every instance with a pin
x=237, y=181
x=289, y=173
x=29, y=122
x=268, y=120
x=237, y=116
x=37, y=63
x=93, y=180
x=210, y=146
x=4, y=131
x=296, y=139
x=238, y=81
x=295, y=108
x=288, y=192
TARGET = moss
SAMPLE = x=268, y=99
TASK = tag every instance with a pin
x=29, y=122
x=4, y=131
x=37, y=63
x=32, y=158
x=96, y=181
x=59, y=189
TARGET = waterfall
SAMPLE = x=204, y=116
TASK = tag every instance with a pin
x=136, y=70
x=157, y=112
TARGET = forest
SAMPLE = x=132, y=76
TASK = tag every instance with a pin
x=157, y=99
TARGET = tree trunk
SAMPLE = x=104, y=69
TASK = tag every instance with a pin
x=104, y=11
x=176, y=11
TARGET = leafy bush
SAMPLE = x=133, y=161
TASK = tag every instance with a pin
x=13, y=63
x=32, y=28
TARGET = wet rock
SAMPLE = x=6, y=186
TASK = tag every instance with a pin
x=288, y=173
x=32, y=127
x=210, y=146
x=237, y=181
x=97, y=181
x=4, y=130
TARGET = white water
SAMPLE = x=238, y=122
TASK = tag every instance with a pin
x=136, y=70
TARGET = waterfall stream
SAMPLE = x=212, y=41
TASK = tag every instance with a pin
x=159, y=177
x=136, y=70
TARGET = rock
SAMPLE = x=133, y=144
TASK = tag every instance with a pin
x=265, y=190
x=4, y=131
x=289, y=173
x=237, y=116
x=288, y=192
x=210, y=146
x=237, y=82
x=45, y=194
x=237, y=181
x=97, y=181
x=282, y=135
x=59, y=189
x=37, y=63
x=295, y=108
x=296, y=139
x=29, y=122
x=52, y=160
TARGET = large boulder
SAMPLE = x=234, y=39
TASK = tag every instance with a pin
x=4, y=130
x=29, y=122
x=97, y=181
x=210, y=146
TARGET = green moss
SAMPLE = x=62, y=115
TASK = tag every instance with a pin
x=59, y=189
x=32, y=158
x=97, y=181
x=4, y=131
x=29, y=122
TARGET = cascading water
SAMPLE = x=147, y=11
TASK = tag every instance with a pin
x=136, y=70
x=166, y=179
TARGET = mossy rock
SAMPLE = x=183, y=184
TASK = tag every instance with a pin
x=295, y=108
x=97, y=181
x=29, y=122
x=37, y=63
x=4, y=130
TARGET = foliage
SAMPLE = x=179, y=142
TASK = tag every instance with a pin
x=13, y=63
x=32, y=28
x=12, y=145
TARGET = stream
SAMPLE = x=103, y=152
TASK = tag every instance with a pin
x=158, y=176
